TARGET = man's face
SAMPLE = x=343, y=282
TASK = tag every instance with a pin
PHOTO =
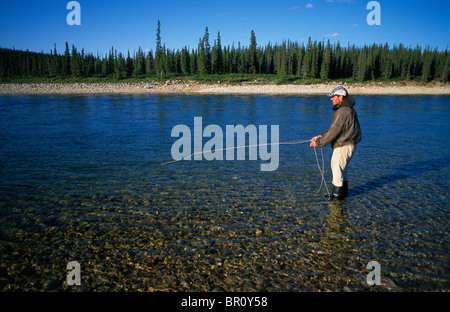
x=337, y=99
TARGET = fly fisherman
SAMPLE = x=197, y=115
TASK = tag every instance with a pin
x=343, y=135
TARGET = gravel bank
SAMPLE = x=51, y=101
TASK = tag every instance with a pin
x=195, y=87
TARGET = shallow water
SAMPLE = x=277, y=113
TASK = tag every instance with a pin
x=81, y=180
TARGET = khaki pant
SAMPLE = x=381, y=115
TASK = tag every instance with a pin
x=339, y=162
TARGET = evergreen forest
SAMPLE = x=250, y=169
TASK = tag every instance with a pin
x=311, y=59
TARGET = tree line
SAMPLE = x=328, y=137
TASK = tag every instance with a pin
x=315, y=59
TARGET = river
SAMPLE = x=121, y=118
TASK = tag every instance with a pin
x=82, y=180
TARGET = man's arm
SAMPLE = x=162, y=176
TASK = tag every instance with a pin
x=329, y=136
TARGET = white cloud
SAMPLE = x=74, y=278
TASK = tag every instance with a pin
x=309, y=6
x=332, y=35
x=294, y=8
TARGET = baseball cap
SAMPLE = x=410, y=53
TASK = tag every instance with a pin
x=338, y=91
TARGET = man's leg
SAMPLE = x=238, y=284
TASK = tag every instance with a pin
x=339, y=161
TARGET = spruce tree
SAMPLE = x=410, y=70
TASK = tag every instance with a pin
x=207, y=51
x=65, y=71
x=307, y=60
x=218, y=58
x=185, y=64
x=326, y=64
x=253, y=64
x=193, y=62
x=233, y=59
x=53, y=63
x=202, y=58
x=89, y=66
x=427, y=65
x=362, y=65
x=300, y=55
x=315, y=60
x=129, y=65
x=159, y=62
x=34, y=67
x=280, y=60
x=446, y=69
x=150, y=64
x=82, y=63
x=139, y=63
x=120, y=70
x=241, y=59
x=75, y=63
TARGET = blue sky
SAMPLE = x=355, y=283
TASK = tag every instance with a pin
x=127, y=25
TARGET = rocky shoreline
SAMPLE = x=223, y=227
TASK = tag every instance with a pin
x=193, y=87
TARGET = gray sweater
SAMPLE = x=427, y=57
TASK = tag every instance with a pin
x=344, y=127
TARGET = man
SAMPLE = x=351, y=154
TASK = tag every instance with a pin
x=343, y=135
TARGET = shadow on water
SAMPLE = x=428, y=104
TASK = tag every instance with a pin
x=404, y=172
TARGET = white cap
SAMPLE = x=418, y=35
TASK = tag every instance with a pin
x=339, y=91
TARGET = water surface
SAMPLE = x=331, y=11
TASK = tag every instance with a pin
x=81, y=180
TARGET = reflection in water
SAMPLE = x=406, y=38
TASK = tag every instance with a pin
x=338, y=253
x=336, y=223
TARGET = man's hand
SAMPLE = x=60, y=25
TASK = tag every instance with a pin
x=313, y=141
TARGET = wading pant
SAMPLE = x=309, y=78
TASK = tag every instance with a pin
x=339, y=162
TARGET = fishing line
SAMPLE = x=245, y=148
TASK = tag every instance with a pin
x=236, y=147
x=322, y=173
x=321, y=169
